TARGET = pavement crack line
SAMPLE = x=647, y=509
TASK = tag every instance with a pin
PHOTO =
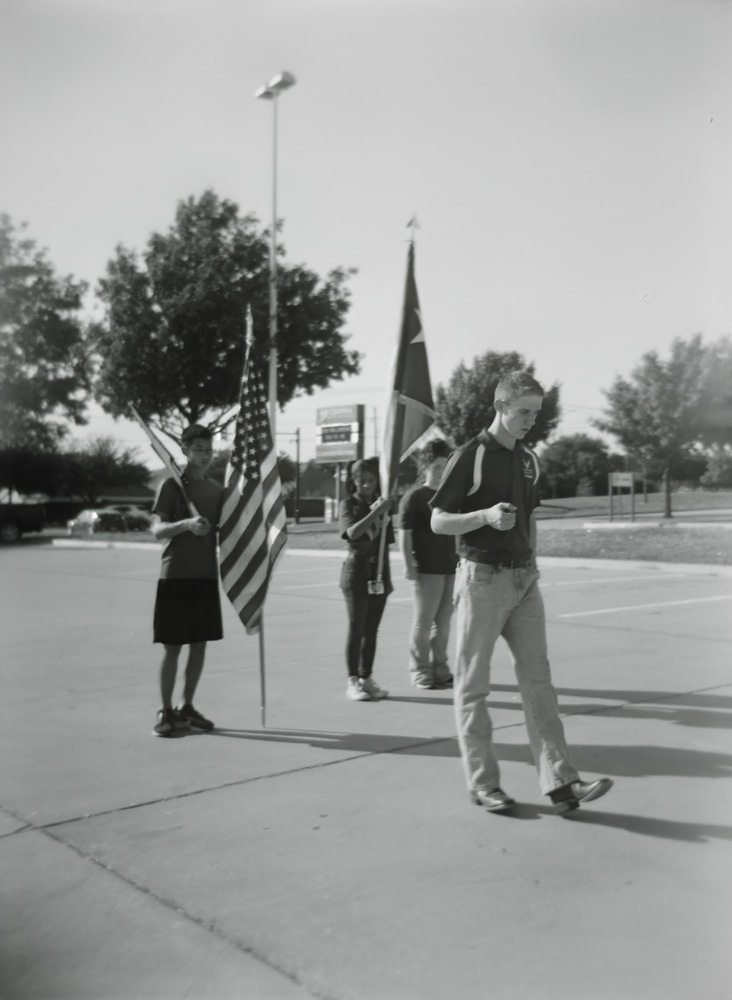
x=234, y=784
x=615, y=707
x=53, y=832
x=210, y=926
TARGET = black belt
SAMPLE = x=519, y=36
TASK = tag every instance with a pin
x=475, y=555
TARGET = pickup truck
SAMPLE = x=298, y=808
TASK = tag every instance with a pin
x=17, y=518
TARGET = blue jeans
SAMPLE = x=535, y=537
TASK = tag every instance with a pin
x=494, y=602
x=431, y=627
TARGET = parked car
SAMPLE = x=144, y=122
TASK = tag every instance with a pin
x=87, y=522
x=137, y=519
x=17, y=518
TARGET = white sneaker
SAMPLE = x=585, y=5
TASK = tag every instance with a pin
x=355, y=690
x=372, y=688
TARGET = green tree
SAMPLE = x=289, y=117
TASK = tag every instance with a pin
x=718, y=474
x=44, y=372
x=576, y=465
x=172, y=341
x=465, y=404
x=658, y=414
x=28, y=471
x=98, y=464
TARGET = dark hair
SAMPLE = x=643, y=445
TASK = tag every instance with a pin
x=438, y=448
x=194, y=432
x=371, y=464
x=517, y=384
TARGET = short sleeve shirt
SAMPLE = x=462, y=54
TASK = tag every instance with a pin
x=188, y=556
x=432, y=553
x=363, y=552
x=481, y=474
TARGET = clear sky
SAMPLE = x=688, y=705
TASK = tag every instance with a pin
x=569, y=163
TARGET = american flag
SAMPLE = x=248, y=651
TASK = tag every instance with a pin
x=165, y=457
x=253, y=525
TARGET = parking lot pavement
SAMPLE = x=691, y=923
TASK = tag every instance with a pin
x=334, y=852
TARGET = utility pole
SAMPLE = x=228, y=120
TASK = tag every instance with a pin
x=297, y=476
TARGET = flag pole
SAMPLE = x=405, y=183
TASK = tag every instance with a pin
x=262, y=687
x=167, y=459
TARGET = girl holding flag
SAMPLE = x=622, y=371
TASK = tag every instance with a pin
x=362, y=516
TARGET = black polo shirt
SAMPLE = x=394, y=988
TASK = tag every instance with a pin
x=481, y=474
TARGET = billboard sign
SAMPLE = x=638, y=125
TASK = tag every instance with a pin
x=339, y=436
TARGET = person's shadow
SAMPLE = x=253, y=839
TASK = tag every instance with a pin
x=635, y=761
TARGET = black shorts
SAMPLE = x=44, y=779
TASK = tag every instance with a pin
x=187, y=611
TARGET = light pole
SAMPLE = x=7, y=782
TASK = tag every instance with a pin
x=270, y=92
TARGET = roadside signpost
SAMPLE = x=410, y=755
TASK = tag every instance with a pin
x=621, y=480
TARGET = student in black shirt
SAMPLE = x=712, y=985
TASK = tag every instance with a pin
x=429, y=562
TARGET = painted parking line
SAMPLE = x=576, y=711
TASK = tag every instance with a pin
x=303, y=570
x=641, y=607
x=605, y=579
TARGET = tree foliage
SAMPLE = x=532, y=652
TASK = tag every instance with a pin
x=668, y=406
x=44, y=372
x=172, y=342
x=465, y=404
x=99, y=464
x=577, y=465
x=29, y=471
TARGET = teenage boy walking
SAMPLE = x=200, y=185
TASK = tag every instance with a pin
x=486, y=498
x=187, y=604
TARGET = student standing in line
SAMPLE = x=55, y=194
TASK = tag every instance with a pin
x=486, y=498
x=361, y=517
x=187, y=605
x=429, y=562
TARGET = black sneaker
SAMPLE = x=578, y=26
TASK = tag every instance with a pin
x=188, y=716
x=165, y=724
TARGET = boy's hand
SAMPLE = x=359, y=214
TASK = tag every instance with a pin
x=199, y=525
x=502, y=517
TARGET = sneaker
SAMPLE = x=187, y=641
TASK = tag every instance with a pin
x=425, y=682
x=494, y=801
x=355, y=690
x=188, y=715
x=444, y=683
x=369, y=685
x=568, y=797
x=165, y=724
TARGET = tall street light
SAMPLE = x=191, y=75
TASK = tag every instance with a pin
x=270, y=92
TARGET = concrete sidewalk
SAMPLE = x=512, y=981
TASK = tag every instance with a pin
x=335, y=853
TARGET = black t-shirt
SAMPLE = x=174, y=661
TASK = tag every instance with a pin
x=432, y=553
x=481, y=474
x=363, y=552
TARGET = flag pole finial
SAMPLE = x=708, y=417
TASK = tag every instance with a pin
x=414, y=226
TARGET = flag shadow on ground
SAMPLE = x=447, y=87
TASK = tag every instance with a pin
x=624, y=761
x=358, y=742
x=631, y=761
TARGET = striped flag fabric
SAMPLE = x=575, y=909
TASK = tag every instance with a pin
x=253, y=527
x=410, y=411
x=165, y=457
